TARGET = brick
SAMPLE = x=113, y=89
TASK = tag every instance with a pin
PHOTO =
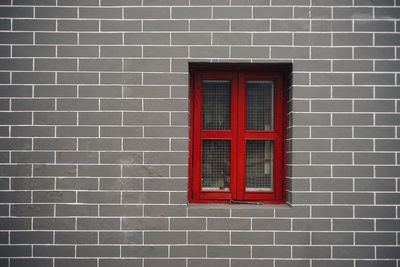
x=77, y=51
x=8, y=223
x=209, y=25
x=76, y=210
x=144, y=251
x=32, y=210
x=290, y=52
x=386, y=39
x=77, y=183
x=249, y=25
x=375, y=212
x=333, y=263
x=188, y=251
x=15, y=251
x=353, y=171
x=353, y=198
x=32, y=104
x=56, y=12
x=16, y=64
x=374, y=79
x=311, y=252
x=100, y=91
x=271, y=224
x=34, y=262
x=169, y=237
x=15, y=197
x=55, y=38
x=311, y=198
x=386, y=171
x=5, y=25
x=120, y=262
x=77, y=104
x=352, y=225
x=144, y=223
x=120, y=210
x=332, y=211
x=76, y=237
x=374, y=185
x=75, y=262
x=100, y=13
x=120, y=26
x=99, y=170
x=311, y=224
x=352, y=13
x=78, y=2
x=165, y=25
x=11, y=118
x=188, y=223
x=376, y=26
x=374, y=158
x=124, y=131
x=98, y=224
x=77, y=78
x=162, y=211
x=54, y=144
x=120, y=78
x=53, y=251
x=78, y=25
x=332, y=184
x=120, y=237
x=353, y=252
x=146, y=118
x=97, y=251
x=370, y=263
x=32, y=184
x=33, y=78
x=331, y=25
x=104, y=118
x=205, y=52
x=375, y=239
x=231, y=12
x=147, y=13
x=200, y=237
x=54, y=223
x=16, y=12
x=120, y=184
x=168, y=262
x=101, y=38
x=32, y=157
x=290, y=25
x=249, y=52
x=54, y=170
x=191, y=12
x=271, y=251
x=145, y=171
x=228, y=252
x=146, y=65
x=31, y=237
x=352, y=39
x=15, y=170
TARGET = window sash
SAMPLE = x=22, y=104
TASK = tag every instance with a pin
x=238, y=135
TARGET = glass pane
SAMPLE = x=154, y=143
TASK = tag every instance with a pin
x=259, y=165
x=216, y=165
x=260, y=105
x=216, y=105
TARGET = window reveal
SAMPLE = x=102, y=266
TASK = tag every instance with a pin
x=237, y=140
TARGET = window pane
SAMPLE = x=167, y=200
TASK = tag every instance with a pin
x=259, y=165
x=260, y=105
x=216, y=105
x=216, y=165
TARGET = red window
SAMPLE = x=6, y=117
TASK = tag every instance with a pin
x=237, y=136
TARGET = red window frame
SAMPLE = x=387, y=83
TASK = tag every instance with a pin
x=238, y=136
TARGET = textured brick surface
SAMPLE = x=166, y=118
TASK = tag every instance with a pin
x=94, y=133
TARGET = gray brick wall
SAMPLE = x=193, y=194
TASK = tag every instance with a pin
x=94, y=133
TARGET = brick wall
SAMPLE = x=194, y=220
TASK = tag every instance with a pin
x=94, y=135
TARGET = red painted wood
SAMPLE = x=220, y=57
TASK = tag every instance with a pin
x=238, y=136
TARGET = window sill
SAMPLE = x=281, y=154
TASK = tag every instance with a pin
x=238, y=206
